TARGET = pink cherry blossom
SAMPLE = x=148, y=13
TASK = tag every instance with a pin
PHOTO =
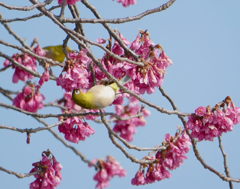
x=207, y=123
x=69, y=2
x=108, y=169
x=146, y=78
x=128, y=113
x=127, y=3
x=76, y=72
x=30, y=99
x=27, y=61
x=75, y=129
x=44, y=77
x=139, y=178
x=47, y=172
x=164, y=160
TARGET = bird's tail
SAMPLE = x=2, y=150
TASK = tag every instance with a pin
x=125, y=79
x=122, y=81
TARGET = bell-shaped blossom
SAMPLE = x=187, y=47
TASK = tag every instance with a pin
x=131, y=116
x=27, y=61
x=164, y=160
x=108, y=169
x=44, y=77
x=76, y=72
x=30, y=99
x=146, y=78
x=127, y=3
x=75, y=129
x=174, y=155
x=47, y=172
x=207, y=123
x=69, y=2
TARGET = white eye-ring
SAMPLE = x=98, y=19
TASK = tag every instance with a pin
x=77, y=91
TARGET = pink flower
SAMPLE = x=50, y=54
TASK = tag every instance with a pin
x=146, y=78
x=139, y=178
x=29, y=99
x=47, y=172
x=69, y=2
x=174, y=155
x=27, y=61
x=76, y=72
x=164, y=160
x=107, y=170
x=127, y=126
x=44, y=78
x=207, y=123
x=74, y=129
x=127, y=3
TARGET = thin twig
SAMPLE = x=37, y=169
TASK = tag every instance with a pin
x=225, y=162
x=121, y=20
x=19, y=175
x=29, y=130
x=25, y=8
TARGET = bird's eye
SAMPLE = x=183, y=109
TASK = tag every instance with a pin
x=77, y=91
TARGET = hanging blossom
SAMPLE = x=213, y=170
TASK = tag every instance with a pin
x=26, y=60
x=132, y=116
x=47, y=172
x=164, y=160
x=30, y=99
x=69, y=2
x=146, y=78
x=127, y=3
x=44, y=78
x=75, y=129
x=108, y=169
x=207, y=123
x=76, y=72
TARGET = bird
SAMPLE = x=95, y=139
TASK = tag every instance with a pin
x=56, y=52
x=99, y=96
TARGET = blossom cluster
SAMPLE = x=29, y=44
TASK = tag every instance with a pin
x=143, y=78
x=76, y=72
x=75, y=129
x=131, y=116
x=27, y=61
x=164, y=160
x=47, y=172
x=207, y=123
x=108, y=169
x=30, y=99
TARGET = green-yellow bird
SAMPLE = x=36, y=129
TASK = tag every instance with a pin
x=99, y=96
x=56, y=52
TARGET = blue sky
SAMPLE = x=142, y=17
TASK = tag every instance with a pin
x=201, y=37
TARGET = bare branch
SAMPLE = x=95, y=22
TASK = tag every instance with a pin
x=225, y=162
x=29, y=130
x=19, y=175
x=26, y=18
x=121, y=20
x=25, y=8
